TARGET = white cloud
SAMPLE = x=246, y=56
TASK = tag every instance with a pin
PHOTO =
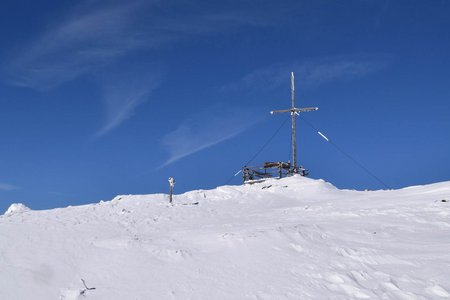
x=79, y=45
x=205, y=130
x=96, y=34
x=123, y=92
x=7, y=187
x=310, y=74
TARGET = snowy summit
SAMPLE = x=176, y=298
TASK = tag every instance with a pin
x=294, y=238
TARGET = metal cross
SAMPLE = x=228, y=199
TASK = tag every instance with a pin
x=294, y=112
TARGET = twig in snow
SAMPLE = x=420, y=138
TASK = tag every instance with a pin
x=83, y=292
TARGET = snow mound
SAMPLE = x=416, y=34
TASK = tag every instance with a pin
x=16, y=208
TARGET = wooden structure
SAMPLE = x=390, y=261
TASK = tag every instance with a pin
x=281, y=169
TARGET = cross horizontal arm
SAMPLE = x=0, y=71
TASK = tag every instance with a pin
x=279, y=111
x=306, y=109
x=298, y=110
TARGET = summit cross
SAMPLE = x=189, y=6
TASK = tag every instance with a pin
x=294, y=112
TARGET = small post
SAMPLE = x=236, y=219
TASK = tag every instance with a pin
x=171, y=185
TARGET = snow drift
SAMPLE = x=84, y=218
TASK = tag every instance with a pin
x=294, y=238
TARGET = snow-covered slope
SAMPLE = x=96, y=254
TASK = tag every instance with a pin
x=294, y=238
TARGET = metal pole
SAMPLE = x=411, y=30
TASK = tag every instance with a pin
x=171, y=185
x=294, y=142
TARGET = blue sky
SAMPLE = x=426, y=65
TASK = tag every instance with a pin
x=100, y=98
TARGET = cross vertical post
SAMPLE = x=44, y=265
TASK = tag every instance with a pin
x=294, y=112
x=293, y=131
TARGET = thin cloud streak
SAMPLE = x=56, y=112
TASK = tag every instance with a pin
x=7, y=187
x=94, y=36
x=311, y=74
x=98, y=35
x=204, y=131
x=123, y=92
x=81, y=44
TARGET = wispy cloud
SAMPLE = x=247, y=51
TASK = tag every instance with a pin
x=98, y=34
x=7, y=187
x=85, y=41
x=123, y=92
x=205, y=130
x=311, y=73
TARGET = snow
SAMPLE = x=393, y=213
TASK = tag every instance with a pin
x=16, y=208
x=294, y=238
